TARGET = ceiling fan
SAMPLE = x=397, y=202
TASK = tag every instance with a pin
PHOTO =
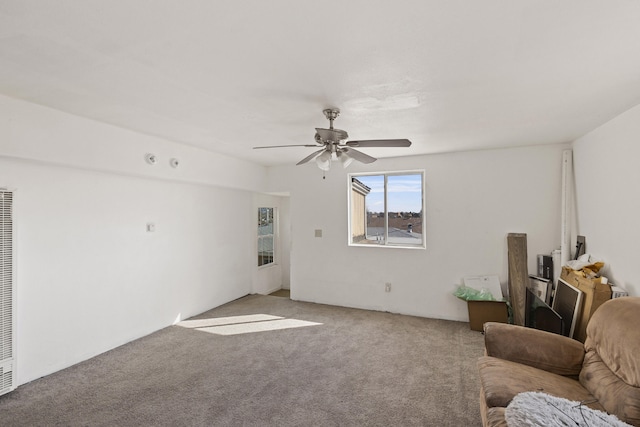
x=334, y=144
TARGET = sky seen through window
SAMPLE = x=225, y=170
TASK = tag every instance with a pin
x=404, y=192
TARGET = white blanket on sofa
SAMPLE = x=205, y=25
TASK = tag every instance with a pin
x=544, y=410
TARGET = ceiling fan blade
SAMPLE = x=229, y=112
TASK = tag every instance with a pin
x=279, y=146
x=358, y=155
x=309, y=157
x=333, y=135
x=380, y=143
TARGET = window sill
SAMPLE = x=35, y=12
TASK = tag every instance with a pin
x=273, y=264
x=376, y=245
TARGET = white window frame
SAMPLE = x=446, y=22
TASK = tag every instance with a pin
x=385, y=242
x=273, y=237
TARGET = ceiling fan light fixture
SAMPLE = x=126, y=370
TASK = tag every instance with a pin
x=332, y=145
x=324, y=160
x=344, y=158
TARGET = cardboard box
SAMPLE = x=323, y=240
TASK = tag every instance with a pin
x=595, y=292
x=481, y=312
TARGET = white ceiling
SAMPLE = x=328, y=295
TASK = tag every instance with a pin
x=228, y=75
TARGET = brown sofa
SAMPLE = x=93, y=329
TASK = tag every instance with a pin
x=604, y=372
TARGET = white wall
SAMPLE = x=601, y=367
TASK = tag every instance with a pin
x=89, y=277
x=270, y=278
x=29, y=131
x=608, y=196
x=473, y=200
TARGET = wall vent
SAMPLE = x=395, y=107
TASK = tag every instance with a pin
x=7, y=295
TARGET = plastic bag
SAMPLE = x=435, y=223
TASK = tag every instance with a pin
x=485, y=295
x=587, y=264
x=469, y=294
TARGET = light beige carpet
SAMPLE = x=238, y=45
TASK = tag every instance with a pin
x=356, y=368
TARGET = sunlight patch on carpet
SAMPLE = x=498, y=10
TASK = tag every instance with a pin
x=247, y=328
x=219, y=321
x=246, y=324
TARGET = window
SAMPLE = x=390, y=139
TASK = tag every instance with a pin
x=266, y=236
x=387, y=209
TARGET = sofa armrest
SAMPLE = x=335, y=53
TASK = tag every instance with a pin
x=543, y=350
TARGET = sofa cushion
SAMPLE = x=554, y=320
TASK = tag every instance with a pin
x=615, y=395
x=614, y=335
x=611, y=369
x=501, y=380
x=540, y=349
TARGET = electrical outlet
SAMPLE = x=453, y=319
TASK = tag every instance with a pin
x=387, y=287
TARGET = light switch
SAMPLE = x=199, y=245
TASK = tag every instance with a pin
x=318, y=233
x=151, y=227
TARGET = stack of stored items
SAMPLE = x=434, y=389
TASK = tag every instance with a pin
x=596, y=291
